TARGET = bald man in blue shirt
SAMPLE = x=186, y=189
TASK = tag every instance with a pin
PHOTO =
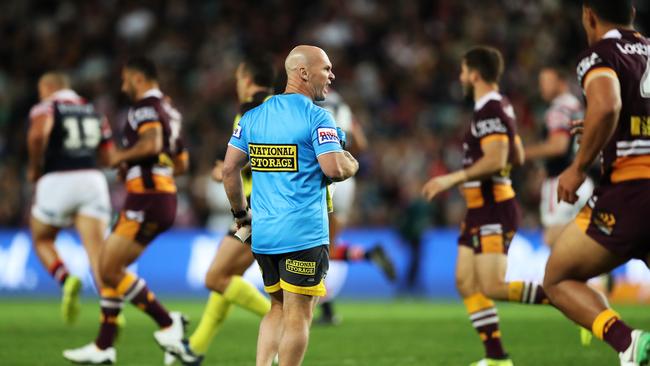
x=294, y=151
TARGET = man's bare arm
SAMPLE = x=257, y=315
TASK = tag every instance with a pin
x=338, y=166
x=603, y=109
x=233, y=163
x=38, y=136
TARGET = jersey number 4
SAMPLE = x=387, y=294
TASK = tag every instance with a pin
x=645, y=81
x=82, y=132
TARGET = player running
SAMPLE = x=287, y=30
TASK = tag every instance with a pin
x=255, y=77
x=67, y=141
x=342, y=197
x=151, y=138
x=294, y=152
x=491, y=148
x=557, y=152
x=611, y=229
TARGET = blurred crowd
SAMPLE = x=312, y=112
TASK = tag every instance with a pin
x=396, y=64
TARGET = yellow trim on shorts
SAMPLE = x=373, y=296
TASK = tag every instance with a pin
x=273, y=288
x=317, y=290
x=492, y=244
x=583, y=218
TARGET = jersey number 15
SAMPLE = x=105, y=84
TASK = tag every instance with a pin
x=83, y=132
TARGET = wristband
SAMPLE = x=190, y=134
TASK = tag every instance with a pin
x=239, y=214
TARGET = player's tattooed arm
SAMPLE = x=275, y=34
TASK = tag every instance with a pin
x=37, y=137
x=150, y=143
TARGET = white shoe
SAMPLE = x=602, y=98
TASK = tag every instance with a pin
x=638, y=353
x=90, y=354
x=276, y=361
x=172, y=340
x=169, y=359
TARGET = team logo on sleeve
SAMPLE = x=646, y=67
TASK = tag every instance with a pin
x=237, y=132
x=486, y=127
x=327, y=135
x=586, y=64
x=145, y=114
x=273, y=158
x=142, y=114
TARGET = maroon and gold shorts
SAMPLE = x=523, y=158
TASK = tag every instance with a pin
x=146, y=215
x=489, y=229
x=617, y=216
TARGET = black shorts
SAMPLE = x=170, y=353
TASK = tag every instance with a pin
x=302, y=272
x=616, y=217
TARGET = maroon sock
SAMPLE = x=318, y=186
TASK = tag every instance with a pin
x=486, y=323
x=618, y=335
x=140, y=296
x=110, y=308
x=533, y=293
x=59, y=272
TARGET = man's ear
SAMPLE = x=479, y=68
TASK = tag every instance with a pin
x=304, y=75
x=473, y=76
x=592, y=18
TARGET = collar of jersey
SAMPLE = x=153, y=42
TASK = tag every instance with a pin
x=65, y=94
x=154, y=92
x=613, y=33
x=493, y=95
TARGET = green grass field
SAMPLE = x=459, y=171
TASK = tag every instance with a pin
x=372, y=333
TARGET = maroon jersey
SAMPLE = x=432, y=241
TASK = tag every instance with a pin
x=78, y=131
x=154, y=173
x=623, y=55
x=494, y=120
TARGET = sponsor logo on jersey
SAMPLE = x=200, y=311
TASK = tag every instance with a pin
x=273, y=158
x=75, y=108
x=144, y=114
x=634, y=49
x=327, y=135
x=300, y=267
x=237, y=132
x=586, y=64
x=486, y=127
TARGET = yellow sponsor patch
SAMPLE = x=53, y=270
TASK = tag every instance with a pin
x=273, y=158
x=640, y=126
x=300, y=267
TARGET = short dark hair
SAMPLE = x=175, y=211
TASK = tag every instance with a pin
x=487, y=61
x=261, y=68
x=143, y=65
x=612, y=11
